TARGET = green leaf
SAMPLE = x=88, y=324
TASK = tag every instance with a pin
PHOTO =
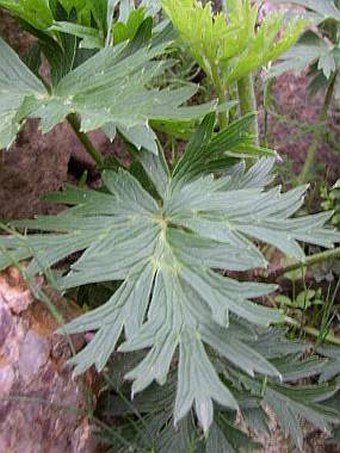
x=172, y=302
x=36, y=12
x=332, y=368
x=232, y=439
x=109, y=88
x=325, y=8
x=265, y=47
x=17, y=83
x=210, y=152
x=230, y=48
x=293, y=369
x=309, y=49
x=304, y=298
x=122, y=31
x=283, y=300
x=199, y=383
x=292, y=403
x=91, y=38
x=272, y=343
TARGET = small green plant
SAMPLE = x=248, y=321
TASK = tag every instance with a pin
x=303, y=300
x=331, y=201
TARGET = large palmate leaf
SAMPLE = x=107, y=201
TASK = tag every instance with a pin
x=166, y=250
x=109, y=88
x=230, y=47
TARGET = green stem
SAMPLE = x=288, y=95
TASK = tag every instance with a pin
x=85, y=141
x=267, y=101
x=233, y=96
x=222, y=98
x=309, y=261
x=246, y=93
x=312, y=331
x=311, y=152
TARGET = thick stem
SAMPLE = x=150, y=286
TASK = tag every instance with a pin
x=246, y=94
x=311, y=152
x=309, y=261
x=85, y=141
x=222, y=98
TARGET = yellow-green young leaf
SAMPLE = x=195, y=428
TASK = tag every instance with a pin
x=209, y=38
x=229, y=47
x=265, y=46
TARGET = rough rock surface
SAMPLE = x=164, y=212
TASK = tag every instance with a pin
x=33, y=166
x=42, y=406
x=37, y=164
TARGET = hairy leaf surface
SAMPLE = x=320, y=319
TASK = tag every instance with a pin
x=16, y=83
x=168, y=252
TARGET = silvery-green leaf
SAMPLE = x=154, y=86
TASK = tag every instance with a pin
x=16, y=83
x=167, y=253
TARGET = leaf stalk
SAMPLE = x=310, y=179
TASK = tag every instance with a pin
x=85, y=141
x=309, y=261
x=311, y=152
x=312, y=331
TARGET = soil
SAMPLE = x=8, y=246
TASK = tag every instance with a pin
x=290, y=130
